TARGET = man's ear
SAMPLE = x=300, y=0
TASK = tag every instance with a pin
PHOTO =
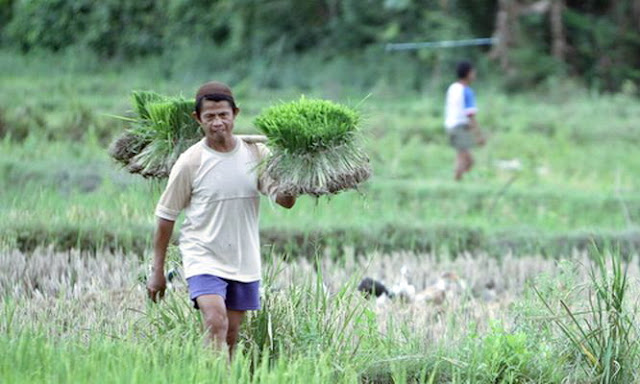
x=236, y=112
x=196, y=117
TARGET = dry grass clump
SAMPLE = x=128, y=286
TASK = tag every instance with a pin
x=314, y=146
x=161, y=130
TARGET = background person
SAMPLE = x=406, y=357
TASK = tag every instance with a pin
x=460, y=118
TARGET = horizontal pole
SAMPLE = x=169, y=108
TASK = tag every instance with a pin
x=251, y=139
x=441, y=44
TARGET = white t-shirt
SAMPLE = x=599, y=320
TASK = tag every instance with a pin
x=459, y=105
x=219, y=192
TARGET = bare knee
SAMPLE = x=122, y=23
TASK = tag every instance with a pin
x=216, y=323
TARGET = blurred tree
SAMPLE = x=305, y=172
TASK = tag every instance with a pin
x=597, y=39
x=559, y=43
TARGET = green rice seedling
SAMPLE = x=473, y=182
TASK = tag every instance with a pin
x=129, y=143
x=169, y=131
x=141, y=100
x=315, y=148
x=161, y=131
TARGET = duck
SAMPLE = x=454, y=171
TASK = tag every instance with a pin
x=403, y=290
x=371, y=287
x=448, y=283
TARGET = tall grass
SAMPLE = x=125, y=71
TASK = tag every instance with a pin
x=313, y=325
x=604, y=333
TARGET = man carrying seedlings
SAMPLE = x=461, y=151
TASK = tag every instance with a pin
x=460, y=118
x=216, y=183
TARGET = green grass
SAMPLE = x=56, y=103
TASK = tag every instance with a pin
x=71, y=193
x=314, y=326
x=577, y=187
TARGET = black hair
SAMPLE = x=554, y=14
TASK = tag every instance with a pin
x=463, y=69
x=214, y=97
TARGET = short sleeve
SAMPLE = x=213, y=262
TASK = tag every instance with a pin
x=177, y=194
x=263, y=151
x=469, y=102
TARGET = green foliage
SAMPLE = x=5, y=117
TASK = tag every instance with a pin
x=259, y=38
x=307, y=316
x=605, y=46
x=577, y=184
x=503, y=357
x=110, y=28
x=604, y=334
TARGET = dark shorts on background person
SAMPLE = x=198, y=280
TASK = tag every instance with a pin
x=238, y=296
x=461, y=137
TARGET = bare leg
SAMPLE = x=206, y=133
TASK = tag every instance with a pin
x=214, y=318
x=235, y=321
x=461, y=164
x=469, y=161
x=464, y=162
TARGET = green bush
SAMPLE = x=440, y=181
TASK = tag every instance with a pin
x=110, y=28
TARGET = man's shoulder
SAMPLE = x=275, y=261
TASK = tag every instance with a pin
x=455, y=88
x=257, y=150
x=192, y=157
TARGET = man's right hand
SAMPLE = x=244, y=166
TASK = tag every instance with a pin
x=156, y=286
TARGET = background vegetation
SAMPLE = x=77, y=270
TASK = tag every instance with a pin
x=549, y=216
x=600, y=40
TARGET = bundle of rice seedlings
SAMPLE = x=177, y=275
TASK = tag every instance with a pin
x=314, y=148
x=161, y=130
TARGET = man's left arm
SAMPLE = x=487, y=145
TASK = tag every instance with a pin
x=286, y=201
x=471, y=109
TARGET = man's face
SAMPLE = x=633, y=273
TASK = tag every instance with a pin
x=216, y=118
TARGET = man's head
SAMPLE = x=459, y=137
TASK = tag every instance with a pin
x=466, y=71
x=215, y=109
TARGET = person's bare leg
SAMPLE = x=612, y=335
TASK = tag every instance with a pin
x=235, y=321
x=463, y=163
x=214, y=319
x=460, y=166
x=469, y=161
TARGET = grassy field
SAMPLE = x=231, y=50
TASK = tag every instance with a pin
x=557, y=179
x=60, y=323
x=576, y=179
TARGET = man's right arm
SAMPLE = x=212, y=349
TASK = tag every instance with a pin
x=157, y=283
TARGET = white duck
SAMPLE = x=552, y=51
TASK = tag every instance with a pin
x=403, y=290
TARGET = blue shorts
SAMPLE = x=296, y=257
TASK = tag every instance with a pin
x=238, y=296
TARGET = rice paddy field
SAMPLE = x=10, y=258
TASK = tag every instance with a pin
x=539, y=244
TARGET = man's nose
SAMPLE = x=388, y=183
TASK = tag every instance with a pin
x=216, y=121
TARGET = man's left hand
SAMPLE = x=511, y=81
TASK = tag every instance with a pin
x=286, y=201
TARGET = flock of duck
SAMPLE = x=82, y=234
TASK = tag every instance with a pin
x=447, y=285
